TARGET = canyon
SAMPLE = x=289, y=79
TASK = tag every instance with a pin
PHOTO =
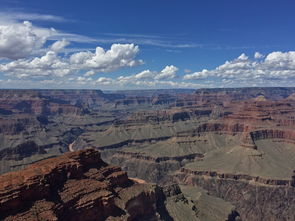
x=80, y=186
x=210, y=153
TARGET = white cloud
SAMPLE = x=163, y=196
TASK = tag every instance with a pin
x=80, y=57
x=105, y=81
x=59, y=45
x=181, y=84
x=276, y=68
x=153, y=40
x=90, y=83
x=119, y=56
x=242, y=57
x=155, y=84
x=146, y=74
x=169, y=72
x=280, y=60
x=16, y=16
x=150, y=79
x=50, y=64
x=258, y=55
x=197, y=75
x=89, y=73
x=83, y=80
x=21, y=40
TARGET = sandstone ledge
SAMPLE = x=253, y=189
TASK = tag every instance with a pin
x=240, y=177
x=75, y=186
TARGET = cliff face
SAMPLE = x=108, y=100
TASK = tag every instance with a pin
x=274, y=93
x=47, y=120
x=75, y=186
x=253, y=201
x=40, y=102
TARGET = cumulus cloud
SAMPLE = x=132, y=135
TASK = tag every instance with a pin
x=51, y=64
x=59, y=45
x=146, y=74
x=144, y=79
x=20, y=40
x=48, y=65
x=104, y=81
x=242, y=57
x=123, y=82
x=119, y=56
x=83, y=80
x=258, y=55
x=277, y=67
x=130, y=82
x=197, y=75
x=149, y=79
x=89, y=73
x=169, y=72
x=281, y=61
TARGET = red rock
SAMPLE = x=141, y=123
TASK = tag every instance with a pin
x=75, y=186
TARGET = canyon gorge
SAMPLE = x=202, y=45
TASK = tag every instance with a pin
x=205, y=154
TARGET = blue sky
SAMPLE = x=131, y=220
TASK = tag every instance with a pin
x=137, y=44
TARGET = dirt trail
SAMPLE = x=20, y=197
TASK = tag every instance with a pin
x=137, y=180
x=71, y=146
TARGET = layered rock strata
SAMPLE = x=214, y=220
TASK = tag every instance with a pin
x=77, y=186
x=254, y=201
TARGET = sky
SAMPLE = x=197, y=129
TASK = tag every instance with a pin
x=146, y=44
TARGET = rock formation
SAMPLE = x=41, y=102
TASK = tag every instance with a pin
x=75, y=186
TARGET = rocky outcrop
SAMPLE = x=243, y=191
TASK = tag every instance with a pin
x=139, y=156
x=273, y=134
x=75, y=186
x=241, y=177
x=249, y=134
x=253, y=201
x=151, y=169
x=144, y=167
